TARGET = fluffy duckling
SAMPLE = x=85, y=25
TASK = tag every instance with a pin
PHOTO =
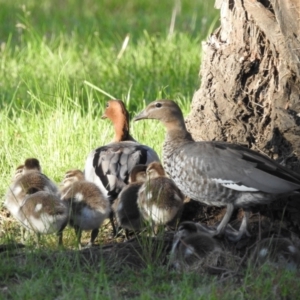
x=279, y=252
x=159, y=199
x=88, y=206
x=109, y=166
x=33, y=200
x=27, y=180
x=44, y=213
x=218, y=173
x=125, y=207
x=190, y=245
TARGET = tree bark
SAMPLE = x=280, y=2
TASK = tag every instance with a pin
x=250, y=79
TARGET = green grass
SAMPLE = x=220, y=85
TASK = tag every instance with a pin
x=55, y=56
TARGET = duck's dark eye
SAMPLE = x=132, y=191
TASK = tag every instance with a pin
x=158, y=104
x=107, y=104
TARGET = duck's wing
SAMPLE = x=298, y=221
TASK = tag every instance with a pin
x=239, y=168
x=109, y=166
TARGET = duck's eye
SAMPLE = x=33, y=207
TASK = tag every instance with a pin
x=158, y=104
x=107, y=104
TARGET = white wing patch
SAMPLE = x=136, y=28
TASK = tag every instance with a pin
x=234, y=186
x=38, y=207
x=78, y=197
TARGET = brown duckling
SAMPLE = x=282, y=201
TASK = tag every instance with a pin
x=125, y=207
x=277, y=251
x=109, y=166
x=27, y=180
x=88, y=206
x=218, y=173
x=190, y=245
x=44, y=213
x=159, y=199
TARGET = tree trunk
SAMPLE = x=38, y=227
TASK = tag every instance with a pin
x=250, y=74
x=250, y=87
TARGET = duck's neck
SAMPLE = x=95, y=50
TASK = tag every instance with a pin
x=122, y=130
x=177, y=132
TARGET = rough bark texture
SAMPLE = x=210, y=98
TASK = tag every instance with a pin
x=250, y=74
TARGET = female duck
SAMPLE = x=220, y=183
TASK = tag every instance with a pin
x=218, y=173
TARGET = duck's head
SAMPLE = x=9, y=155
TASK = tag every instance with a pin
x=166, y=111
x=72, y=176
x=115, y=109
x=32, y=164
x=138, y=174
x=155, y=169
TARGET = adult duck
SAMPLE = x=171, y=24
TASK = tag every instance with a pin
x=218, y=173
x=109, y=166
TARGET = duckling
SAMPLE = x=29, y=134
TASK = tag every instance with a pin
x=159, y=199
x=218, y=173
x=277, y=251
x=190, y=245
x=44, y=213
x=27, y=180
x=109, y=166
x=125, y=207
x=88, y=206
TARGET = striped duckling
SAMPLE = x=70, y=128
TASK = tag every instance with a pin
x=88, y=206
x=109, y=166
x=33, y=200
x=125, y=207
x=191, y=245
x=26, y=181
x=277, y=251
x=218, y=173
x=159, y=199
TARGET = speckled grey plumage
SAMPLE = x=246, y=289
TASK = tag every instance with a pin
x=217, y=173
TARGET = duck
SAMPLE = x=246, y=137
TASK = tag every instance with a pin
x=159, y=199
x=32, y=199
x=125, y=207
x=218, y=173
x=44, y=213
x=191, y=245
x=276, y=251
x=27, y=180
x=109, y=166
x=88, y=206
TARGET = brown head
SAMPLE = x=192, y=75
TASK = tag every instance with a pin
x=32, y=164
x=155, y=169
x=72, y=176
x=166, y=111
x=116, y=111
x=138, y=174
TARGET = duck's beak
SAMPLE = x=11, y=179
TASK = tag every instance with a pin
x=142, y=115
x=104, y=116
